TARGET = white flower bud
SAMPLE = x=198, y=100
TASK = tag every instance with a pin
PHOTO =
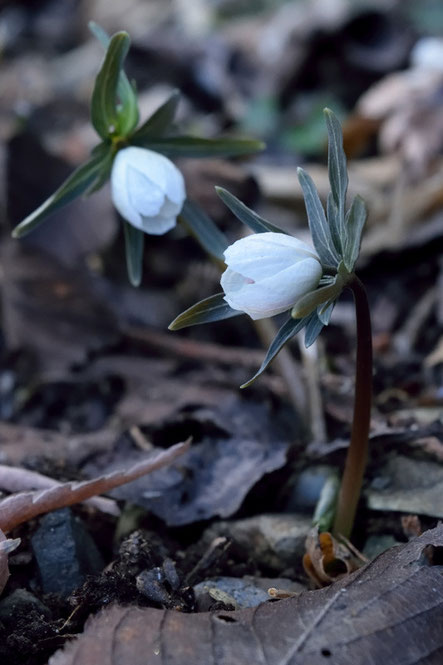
x=147, y=189
x=268, y=272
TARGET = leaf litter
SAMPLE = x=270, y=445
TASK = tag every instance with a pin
x=395, y=599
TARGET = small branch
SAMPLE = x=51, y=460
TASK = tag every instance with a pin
x=358, y=448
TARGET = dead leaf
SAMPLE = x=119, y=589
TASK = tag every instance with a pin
x=14, y=479
x=327, y=560
x=235, y=444
x=373, y=616
x=19, y=508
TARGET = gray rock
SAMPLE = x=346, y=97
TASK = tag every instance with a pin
x=409, y=486
x=274, y=541
x=242, y=591
x=65, y=552
x=375, y=545
x=21, y=603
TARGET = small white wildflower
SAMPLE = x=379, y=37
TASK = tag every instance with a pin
x=147, y=189
x=268, y=272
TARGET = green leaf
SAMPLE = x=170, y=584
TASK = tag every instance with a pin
x=313, y=299
x=159, y=122
x=313, y=329
x=104, y=112
x=127, y=115
x=127, y=110
x=355, y=221
x=104, y=170
x=324, y=312
x=245, y=214
x=334, y=223
x=338, y=175
x=101, y=34
x=203, y=229
x=320, y=232
x=325, y=509
x=193, y=146
x=214, y=308
x=77, y=183
x=134, y=243
x=286, y=332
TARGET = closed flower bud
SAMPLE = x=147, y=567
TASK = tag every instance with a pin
x=147, y=189
x=268, y=272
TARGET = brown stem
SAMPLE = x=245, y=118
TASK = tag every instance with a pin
x=358, y=448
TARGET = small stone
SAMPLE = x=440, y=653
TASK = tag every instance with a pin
x=409, y=486
x=243, y=593
x=21, y=603
x=273, y=541
x=307, y=488
x=246, y=591
x=375, y=545
x=65, y=552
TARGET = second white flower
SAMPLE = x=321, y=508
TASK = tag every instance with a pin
x=148, y=190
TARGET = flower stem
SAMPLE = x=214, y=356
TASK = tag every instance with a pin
x=358, y=448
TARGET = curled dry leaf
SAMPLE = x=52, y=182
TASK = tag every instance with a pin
x=19, y=508
x=389, y=611
x=13, y=479
x=327, y=560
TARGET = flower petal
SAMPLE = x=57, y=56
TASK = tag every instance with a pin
x=144, y=195
x=147, y=189
x=265, y=254
x=158, y=225
x=274, y=294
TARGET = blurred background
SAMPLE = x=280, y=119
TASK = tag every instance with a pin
x=264, y=68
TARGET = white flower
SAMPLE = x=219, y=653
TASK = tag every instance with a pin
x=147, y=189
x=268, y=272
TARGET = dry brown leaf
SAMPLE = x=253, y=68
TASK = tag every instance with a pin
x=327, y=560
x=13, y=479
x=19, y=508
x=389, y=611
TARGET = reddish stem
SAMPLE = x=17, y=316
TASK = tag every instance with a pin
x=358, y=448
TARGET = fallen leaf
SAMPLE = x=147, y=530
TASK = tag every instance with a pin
x=14, y=479
x=234, y=445
x=389, y=611
x=19, y=508
x=327, y=560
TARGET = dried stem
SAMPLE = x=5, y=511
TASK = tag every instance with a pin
x=358, y=448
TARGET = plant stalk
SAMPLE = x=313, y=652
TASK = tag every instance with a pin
x=358, y=448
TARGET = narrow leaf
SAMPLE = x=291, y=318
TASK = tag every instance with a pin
x=313, y=299
x=211, y=309
x=134, y=243
x=286, y=332
x=159, y=122
x=324, y=312
x=104, y=112
x=128, y=114
x=338, y=175
x=313, y=329
x=201, y=226
x=193, y=146
x=320, y=232
x=77, y=183
x=355, y=221
x=245, y=214
x=334, y=223
x=101, y=34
